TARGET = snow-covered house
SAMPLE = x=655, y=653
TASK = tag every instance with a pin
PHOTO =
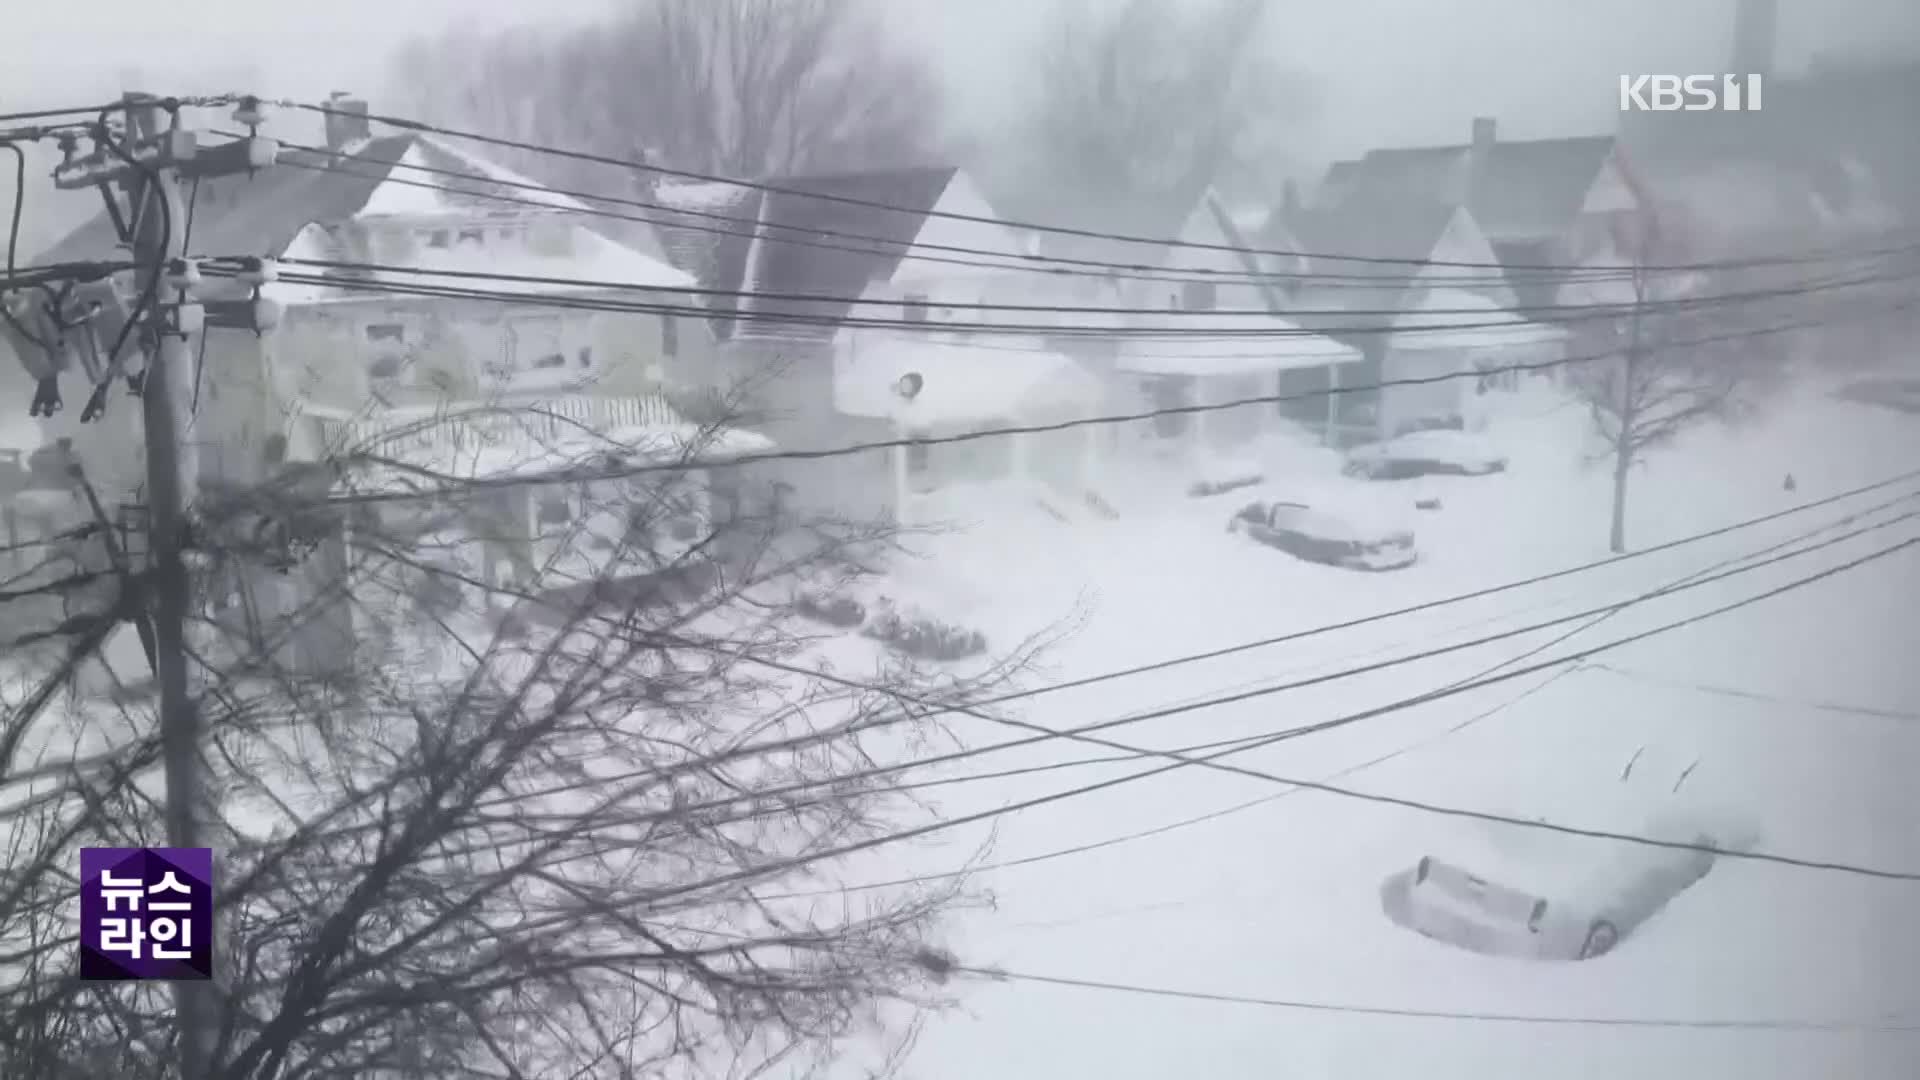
x=358, y=226
x=844, y=313
x=1206, y=330
x=1538, y=202
x=1406, y=282
x=381, y=345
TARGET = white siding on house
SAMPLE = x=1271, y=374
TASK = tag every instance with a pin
x=1462, y=241
x=1610, y=193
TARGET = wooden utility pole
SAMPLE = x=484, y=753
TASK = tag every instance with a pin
x=149, y=163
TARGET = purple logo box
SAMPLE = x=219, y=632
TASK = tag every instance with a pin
x=146, y=913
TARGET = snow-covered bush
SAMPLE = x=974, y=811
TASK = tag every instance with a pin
x=827, y=607
x=924, y=637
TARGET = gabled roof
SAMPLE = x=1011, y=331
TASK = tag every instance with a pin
x=1533, y=186
x=1374, y=226
x=264, y=213
x=790, y=254
x=1537, y=186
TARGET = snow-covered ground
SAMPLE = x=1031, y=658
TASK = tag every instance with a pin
x=1279, y=900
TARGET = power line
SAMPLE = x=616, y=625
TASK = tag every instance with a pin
x=1270, y=328
x=1057, y=230
x=1084, y=732
x=1183, y=823
x=937, y=709
x=1838, y=708
x=452, y=485
x=777, y=866
x=1531, y=1019
x=915, y=250
x=1351, y=770
x=1058, y=265
x=1605, y=310
x=1181, y=757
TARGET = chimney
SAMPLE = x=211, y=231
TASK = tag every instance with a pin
x=347, y=124
x=1754, y=26
x=1484, y=132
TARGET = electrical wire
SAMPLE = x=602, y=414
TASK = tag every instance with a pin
x=1084, y=732
x=43, y=114
x=933, y=709
x=1837, y=708
x=13, y=242
x=781, y=865
x=1348, y=771
x=149, y=192
x=1270, y=329
x=911, y=250
x=450, y=484
x=1057, y=230
x=1232, y=746
x=1603, y=310
x=1529, y=1019
x=1182, y=758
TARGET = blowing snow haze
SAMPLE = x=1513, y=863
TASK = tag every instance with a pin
x=1108, y=539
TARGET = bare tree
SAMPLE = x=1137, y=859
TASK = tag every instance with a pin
x=1139, y=107
x=743, y=88
x=567, y=801
x=1678, y=357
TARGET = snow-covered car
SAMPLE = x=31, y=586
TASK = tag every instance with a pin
x=1318, y=536
x=1575, y=906
x=1426, y=453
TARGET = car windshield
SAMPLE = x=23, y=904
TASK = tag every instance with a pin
x=1307, y=521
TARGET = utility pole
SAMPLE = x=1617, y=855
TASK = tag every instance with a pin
x=154, y=222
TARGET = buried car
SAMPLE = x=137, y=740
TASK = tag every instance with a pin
x=1317, y=536
x=1568, y=908
x=1441, y=452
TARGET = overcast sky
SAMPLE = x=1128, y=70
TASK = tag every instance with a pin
x=1387, y=72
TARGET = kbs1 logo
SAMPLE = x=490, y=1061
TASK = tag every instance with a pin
x=1691, y=93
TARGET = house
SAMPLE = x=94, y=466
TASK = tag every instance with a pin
x=843, y=316
x=1538, y=202
x=1404, y=282
x=355, y=362
x=1218, y=284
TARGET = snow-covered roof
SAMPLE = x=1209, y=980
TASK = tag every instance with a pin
x=279, y=211
x=1273, y=345
x=595, y=265
x=1455, y=318
x=960, y=383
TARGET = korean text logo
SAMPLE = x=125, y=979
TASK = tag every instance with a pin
x=1692, y=93
x=146, y=913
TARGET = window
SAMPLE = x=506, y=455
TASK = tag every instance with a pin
x=586, y=356
x=917, y=458
x=554, y=510
x=473, y=236
x=914, y=308
x=393, y=332
x=669, y=336
x=1199, y=295
x=438, y=238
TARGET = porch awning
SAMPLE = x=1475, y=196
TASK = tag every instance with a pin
x=1457, y=319
x=920, y=382
x=1256, y=345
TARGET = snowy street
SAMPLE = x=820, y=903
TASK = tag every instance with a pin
x=1278, y=900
